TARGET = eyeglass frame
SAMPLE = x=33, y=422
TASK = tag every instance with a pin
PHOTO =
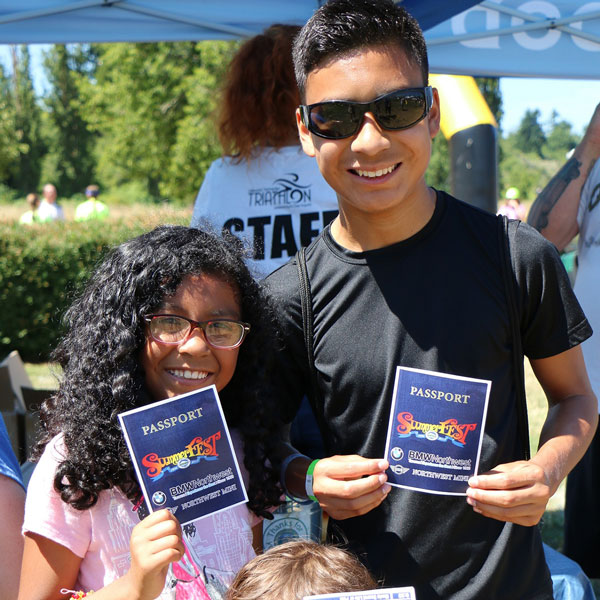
x=198, y=325
x=305, y=110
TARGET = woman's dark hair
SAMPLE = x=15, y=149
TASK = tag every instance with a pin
x=341, y=26
x=102, y=375
x=260, y=95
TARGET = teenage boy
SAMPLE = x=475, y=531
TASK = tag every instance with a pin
x=407, y=275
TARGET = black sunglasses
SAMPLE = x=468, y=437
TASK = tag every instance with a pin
x=337, y=119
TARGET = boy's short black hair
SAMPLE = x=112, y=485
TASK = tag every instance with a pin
x=341, y=26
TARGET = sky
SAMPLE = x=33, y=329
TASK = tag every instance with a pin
x=573, y=100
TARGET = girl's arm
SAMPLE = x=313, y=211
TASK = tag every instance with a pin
x=47, y=567
x=155, y=542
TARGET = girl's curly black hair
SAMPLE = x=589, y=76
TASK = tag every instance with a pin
x=102, y=375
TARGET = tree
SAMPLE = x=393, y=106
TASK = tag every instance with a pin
x=490, y=89
x=438, y=172
x=196, y=143
x=134, y=105
x=10, y=145
x=69, y=163
x=152, y=106
x=530, y=136
x=560, y=139
x=25, y=173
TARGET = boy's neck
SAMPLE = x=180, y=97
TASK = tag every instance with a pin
x=359, y=231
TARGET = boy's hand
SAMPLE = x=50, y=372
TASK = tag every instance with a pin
x=154, y=544
x=350, y=486
x=517, y=492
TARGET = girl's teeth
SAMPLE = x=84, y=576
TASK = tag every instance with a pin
x=187, y=374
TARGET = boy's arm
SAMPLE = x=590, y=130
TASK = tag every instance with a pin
x=519, y=492
x=554, y=213
x=346, y=486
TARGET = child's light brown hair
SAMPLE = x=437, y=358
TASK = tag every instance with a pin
x=299, y=568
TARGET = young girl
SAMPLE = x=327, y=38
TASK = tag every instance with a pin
x=83, y=524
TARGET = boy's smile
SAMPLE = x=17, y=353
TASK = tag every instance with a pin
x=378, y=174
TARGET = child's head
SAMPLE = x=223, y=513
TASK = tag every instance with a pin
x=341, y=27
x=368, y=116
x=112, y=360
x=260, y=95
x=299, y=568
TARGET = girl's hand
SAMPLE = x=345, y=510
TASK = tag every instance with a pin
x=155, y=543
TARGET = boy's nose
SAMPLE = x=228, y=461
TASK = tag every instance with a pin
x=370, y=138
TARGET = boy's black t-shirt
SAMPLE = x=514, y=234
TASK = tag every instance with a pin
x=435, y=301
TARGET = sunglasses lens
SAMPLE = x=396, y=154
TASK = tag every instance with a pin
x=224, y=334
x=334, y=119
x=400, y=110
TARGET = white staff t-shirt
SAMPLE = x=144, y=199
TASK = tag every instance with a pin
x=277, y=202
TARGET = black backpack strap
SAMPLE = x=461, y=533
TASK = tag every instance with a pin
x=515, y=327
x=307, y=318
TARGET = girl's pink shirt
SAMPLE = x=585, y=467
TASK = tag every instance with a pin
x=100, y=535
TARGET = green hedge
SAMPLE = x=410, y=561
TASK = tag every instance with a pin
x=41, y=268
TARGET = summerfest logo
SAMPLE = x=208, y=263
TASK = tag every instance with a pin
x=198, y=449
x=449, y=429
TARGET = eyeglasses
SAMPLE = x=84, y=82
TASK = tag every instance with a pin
x=337, y=119
x=173, y=329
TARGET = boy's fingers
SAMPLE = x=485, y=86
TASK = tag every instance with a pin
x=350, y=466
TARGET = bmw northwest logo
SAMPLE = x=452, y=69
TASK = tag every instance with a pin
x=159, y=498
x=397, y=453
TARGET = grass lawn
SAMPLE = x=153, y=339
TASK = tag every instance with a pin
x=552, y=525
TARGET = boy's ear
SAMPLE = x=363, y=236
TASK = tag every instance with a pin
x=305, y=135
x=434, y=115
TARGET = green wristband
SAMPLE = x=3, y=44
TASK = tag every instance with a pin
x=309, y=480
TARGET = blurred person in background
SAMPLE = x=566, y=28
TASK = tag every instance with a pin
x=49, y=209
x=92, y=209
x=31, y=216
x=512, y=207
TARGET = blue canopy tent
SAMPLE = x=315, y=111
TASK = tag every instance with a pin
x=67, y=21
x=549, y=38
x=535, y=38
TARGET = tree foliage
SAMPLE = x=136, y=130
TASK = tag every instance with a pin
x=9, y=146
x=530, y=136
x=139, y=120
x=69, y=162
x=151, y=106
x=490, y=89
x=25, y=169
x=560, y=139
